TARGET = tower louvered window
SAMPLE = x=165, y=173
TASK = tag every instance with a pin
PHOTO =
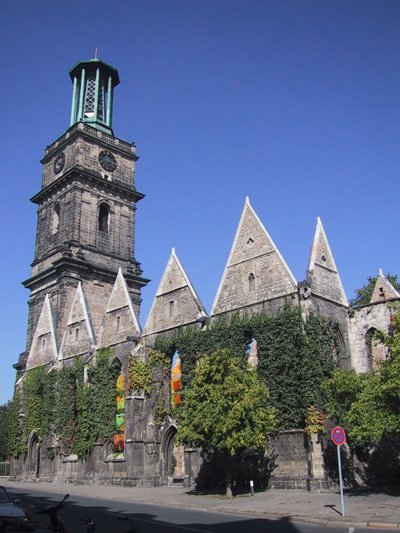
x=56, y=218
x=104, y=218
x=90, y=100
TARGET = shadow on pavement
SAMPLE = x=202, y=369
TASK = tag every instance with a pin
x=106, y=517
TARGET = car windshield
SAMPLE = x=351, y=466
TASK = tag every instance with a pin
x=4, y=497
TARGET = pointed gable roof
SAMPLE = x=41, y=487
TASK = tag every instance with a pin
x=253, y=254
x=383, y=290
x=78, y=336
x=176, y=302
x=44, y=344
x=120, y=320
x=322, y=271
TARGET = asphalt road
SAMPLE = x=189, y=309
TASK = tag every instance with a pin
x=161, y=519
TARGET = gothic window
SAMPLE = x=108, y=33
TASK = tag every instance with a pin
x=176, y=377
x=119, y=435
x=171, y=308
x=252, y=282
x=104, y=218
x=118, y=325
x=341, y=350
x=56, y=218
x=376, y=351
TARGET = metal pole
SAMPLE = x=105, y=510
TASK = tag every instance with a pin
x=252, y=487
x=74, y=102
x=340, y=478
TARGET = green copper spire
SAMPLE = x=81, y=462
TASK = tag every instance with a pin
x=92, y=97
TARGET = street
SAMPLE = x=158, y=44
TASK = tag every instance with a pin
x=162, y=519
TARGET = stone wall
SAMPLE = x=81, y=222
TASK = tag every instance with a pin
x=363, y=322
x=291, y=465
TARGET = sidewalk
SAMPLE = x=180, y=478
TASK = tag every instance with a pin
x=362, y=508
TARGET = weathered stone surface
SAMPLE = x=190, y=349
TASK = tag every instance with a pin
x=255, y=271
x=86, y=225
x=383, y=290
x=323, y=275
x=44, y=345
x=78, y=338
x=366, y=353
x=176, y=303
x=120, y=319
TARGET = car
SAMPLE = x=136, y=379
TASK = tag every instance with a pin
x=11, y=514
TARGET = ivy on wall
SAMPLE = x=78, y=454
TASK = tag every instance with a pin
x=15, y=437
x=140, y=376
x=61, y=404
x=152, y=378
x=65, y=407
x=295, y=357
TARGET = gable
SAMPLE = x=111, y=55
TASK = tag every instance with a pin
x=176, y=302
x=78, y=336
x=255, y=271
x=120, y=319
x=44, y=345
x=323, y=275
x=383, y=290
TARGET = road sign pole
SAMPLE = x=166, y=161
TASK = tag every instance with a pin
x=340, y=478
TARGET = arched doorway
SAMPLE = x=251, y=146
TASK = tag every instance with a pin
x=173, y=457
x=33, y=457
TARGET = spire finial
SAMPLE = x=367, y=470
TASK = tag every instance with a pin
x=96, y=52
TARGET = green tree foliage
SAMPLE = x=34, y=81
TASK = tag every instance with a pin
x=363, y=295
x=226, y=408
x=369, y=404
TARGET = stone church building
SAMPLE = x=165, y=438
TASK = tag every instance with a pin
x=85, y=289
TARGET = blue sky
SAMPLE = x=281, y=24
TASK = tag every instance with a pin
x=293, y=103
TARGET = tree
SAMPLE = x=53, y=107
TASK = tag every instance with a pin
x=369, y=404
x=226, y=408
x=363, y=295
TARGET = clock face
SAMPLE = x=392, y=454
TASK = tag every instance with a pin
x=59, y=163
x=107, y=161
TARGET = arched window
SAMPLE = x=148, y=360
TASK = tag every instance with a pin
x=55, y=223
x=376, y=351
x=252, y=282
x=104, y=218
x=119, y=436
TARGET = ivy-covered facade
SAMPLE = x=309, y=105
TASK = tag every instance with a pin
x=98, y=398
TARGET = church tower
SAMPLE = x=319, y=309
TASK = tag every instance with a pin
x=86, y=209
